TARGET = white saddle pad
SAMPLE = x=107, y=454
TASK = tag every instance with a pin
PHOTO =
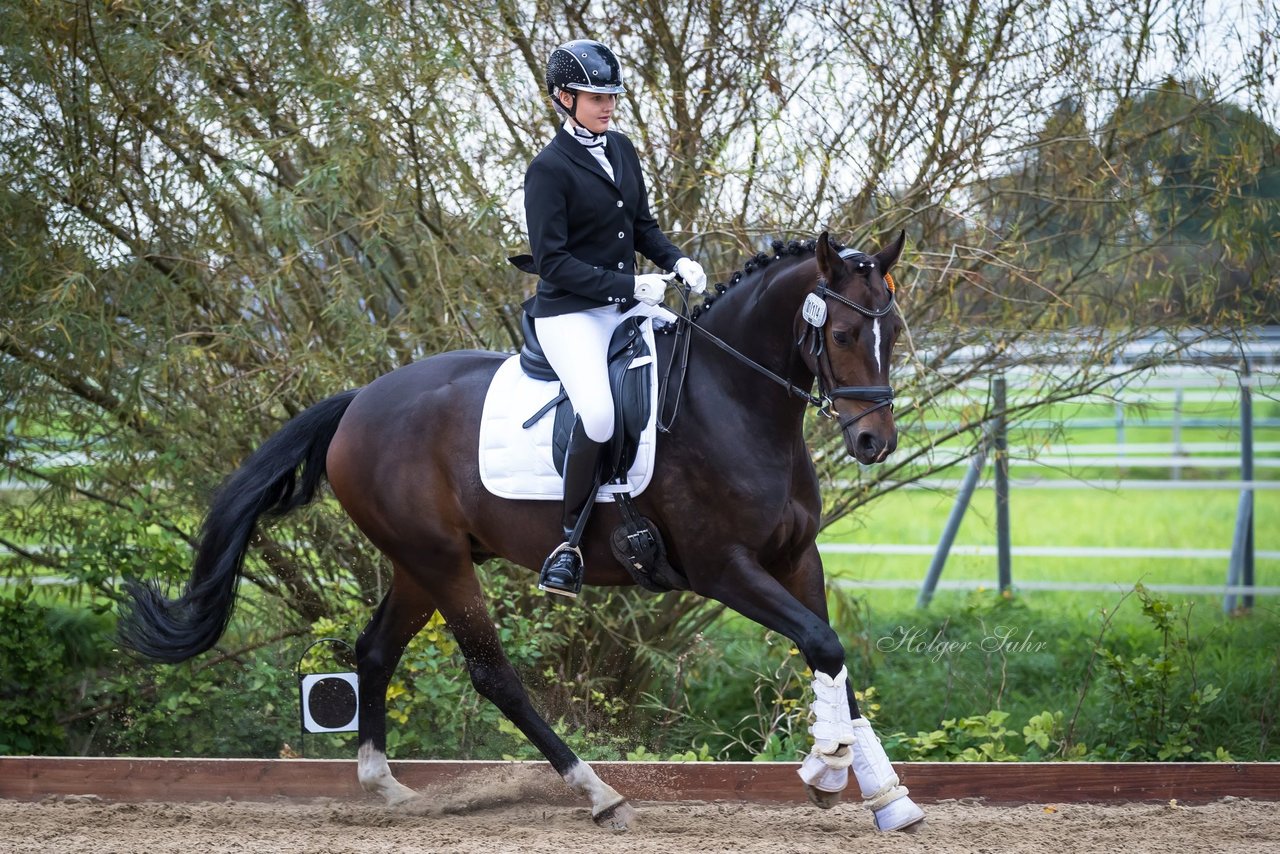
x=517, y=463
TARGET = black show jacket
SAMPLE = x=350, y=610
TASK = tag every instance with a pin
x=584, y=228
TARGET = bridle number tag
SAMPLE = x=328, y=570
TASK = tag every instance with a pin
x=814, y=310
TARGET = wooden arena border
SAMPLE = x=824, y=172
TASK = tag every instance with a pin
x=35, y=778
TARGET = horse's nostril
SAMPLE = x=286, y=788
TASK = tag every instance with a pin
x=868, y=444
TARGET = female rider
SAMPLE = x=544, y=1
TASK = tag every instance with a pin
x=588, y=214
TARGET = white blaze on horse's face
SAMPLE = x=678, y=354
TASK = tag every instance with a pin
x=876, y=345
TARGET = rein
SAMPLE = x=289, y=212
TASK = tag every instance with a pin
x=821, y=403
x=878, y=395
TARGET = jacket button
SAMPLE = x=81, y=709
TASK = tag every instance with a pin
x=619, y=265
x=621, y=234
x=619, y=202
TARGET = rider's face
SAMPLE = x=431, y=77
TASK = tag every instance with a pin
x=595, y=109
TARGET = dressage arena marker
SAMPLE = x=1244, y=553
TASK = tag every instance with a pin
x=328, y=702
x=122, y=779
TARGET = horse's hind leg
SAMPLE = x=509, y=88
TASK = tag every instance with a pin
x=467, y=615
x=403, y=612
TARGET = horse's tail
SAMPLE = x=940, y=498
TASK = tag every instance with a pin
x=268, y=483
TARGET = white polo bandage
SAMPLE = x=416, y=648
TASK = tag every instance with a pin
x=876, y=778
x=841, y=744
x=816, y=771
x=826, y=768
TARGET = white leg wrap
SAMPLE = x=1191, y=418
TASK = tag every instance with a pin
x=817, y=773
x=880, y=787
x=827, y=767
x=841, y=743
x=832, y=724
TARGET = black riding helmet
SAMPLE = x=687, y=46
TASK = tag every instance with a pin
x=583, y=65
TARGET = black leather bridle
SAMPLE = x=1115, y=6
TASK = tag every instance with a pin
x=879, y=396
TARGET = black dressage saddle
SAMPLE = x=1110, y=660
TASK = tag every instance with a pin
x=631, y=389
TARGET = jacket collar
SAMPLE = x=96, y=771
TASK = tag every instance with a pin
x=579, y=154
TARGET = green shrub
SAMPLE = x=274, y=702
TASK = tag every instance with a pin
x=587, y=668
x=241, y=706
x=1160, y=703
x=631, y=675
x=999, y=679
x=45, y=654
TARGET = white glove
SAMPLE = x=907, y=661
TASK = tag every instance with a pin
x=650, y=287
x=691, y=271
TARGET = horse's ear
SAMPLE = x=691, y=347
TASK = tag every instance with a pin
x=888, y=256
x=828, y=258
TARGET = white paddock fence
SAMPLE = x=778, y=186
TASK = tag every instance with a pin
x=1159, y=397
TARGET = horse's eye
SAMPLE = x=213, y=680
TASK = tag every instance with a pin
x=840, y=336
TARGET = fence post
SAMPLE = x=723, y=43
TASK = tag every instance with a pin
x=1003, y=560
x=971, y=477
x=1119, y=410
x=1240, y=570
x=1178, y=452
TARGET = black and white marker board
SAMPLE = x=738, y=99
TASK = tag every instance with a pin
x=330, y=702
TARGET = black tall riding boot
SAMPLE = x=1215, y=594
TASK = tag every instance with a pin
x=562, y=571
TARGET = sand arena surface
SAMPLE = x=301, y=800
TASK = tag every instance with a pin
x=507, y=820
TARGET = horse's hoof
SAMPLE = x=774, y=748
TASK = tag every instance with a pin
x=821, y=799
x=395, y=796
x=902, y=814
x=617, y=818
x=413, y=804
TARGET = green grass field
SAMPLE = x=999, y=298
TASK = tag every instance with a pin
x=1127, y=518
x=1093, y=518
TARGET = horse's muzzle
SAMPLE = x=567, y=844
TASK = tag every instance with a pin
x=871, y=443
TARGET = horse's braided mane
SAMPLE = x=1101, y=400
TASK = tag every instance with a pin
x=781, y=249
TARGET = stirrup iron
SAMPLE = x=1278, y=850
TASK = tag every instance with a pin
x=571, y=591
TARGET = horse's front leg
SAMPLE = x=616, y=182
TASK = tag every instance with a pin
x=842, y=737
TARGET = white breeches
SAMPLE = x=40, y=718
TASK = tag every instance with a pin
x=577, y=346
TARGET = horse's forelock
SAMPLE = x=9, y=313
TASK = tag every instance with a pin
x=874, y=279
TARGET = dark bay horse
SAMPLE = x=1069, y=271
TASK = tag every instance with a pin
x=734, y=495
